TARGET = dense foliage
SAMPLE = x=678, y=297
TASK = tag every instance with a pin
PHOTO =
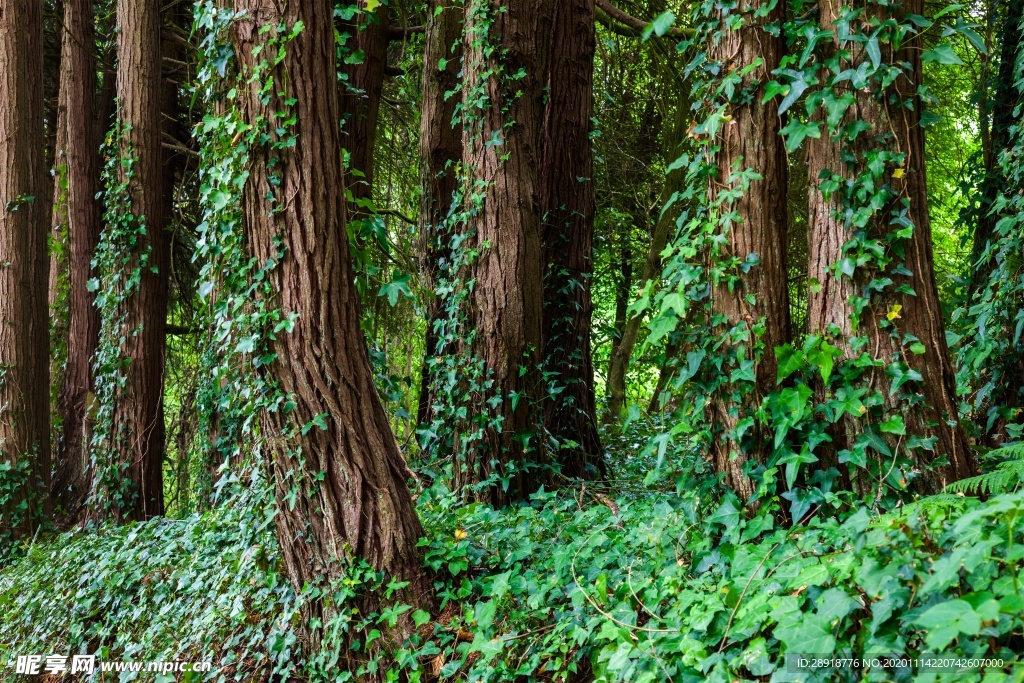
x=777, y=416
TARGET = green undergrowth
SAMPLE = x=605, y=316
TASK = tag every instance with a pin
x=609, y=583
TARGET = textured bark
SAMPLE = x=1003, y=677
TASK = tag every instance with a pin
x=922, y=314
x=24, y=222
x=751, y=140
x=138, y=423
x=829, y=308
x=440, y=152
x=360, y=102
x=83, y=131
x=622, y=350
x=361, y=509
x=568, y=205
x=507, y=301
x=1003, y=104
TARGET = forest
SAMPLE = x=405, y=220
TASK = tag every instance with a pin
x=511, y=340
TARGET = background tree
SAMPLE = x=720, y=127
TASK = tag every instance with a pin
x=752, y=215
x=502, y=148
x=567, y=204
x=79, y=181
x=440, y=153
x=24, y=330
x=134, y=436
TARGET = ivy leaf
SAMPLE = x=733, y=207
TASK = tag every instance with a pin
x=894, y=425
x=941, y=54
x=660, y=26
x=789, y=361
x=796, y=131
x=946, y=620
x=399, y=286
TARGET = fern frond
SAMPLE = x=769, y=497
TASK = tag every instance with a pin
x=1007, y=476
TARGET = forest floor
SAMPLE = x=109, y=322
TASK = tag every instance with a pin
x=614, y=582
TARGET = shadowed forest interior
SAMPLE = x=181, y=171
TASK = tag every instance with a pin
x=512, y=340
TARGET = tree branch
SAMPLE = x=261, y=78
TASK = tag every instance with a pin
x=634, y=23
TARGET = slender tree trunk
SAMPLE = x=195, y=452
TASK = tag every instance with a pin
x=24, y=223
x=502, y=156
x=1002, y=106
x=342, y=486
x=360, y=102
x=568, y=205
x=440, y=153
x=136, y=436
x=82, y=183
x=830, y=311
x=622, y=351
x=750, y=141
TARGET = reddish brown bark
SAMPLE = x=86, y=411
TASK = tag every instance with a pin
x=24, y=223
x=503, y=203
x=918, y=314
x=568, y=205
x=361, y=508
x=83, y=134
x=137, y=425
x=360, y=102
x=440, y=153
x=751, y=141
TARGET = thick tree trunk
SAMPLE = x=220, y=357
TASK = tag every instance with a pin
x=502, y=156
x=136, y=426
x=921, y=315
x=568, y=205
x=750, y=141
x=24, y=223
x=440, y=153
x=830, y=311
x=81, y=183
x=341, y=487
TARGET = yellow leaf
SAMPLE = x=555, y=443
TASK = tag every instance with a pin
x=894, y=312
x=898, y=173
x=459, y=534
x=372, y=5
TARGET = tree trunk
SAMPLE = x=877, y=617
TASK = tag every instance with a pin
x=360, y=102
x=622, y=351
x=82, y=182
x=568, y=205
x=341, y=487
x=24, y=223
x=502, y=156
x=750, y=141
x=1002, y=106
x=134, y=440
x=440, y=152
x=830, y=310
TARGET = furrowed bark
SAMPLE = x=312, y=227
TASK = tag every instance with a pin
x=830, y=313
x=83, y=133
x=440, y=153
x=568, y=205
x=361, y=508
x=137, y=424
x=507, y=301
x=751, y=140
x=24, y=223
